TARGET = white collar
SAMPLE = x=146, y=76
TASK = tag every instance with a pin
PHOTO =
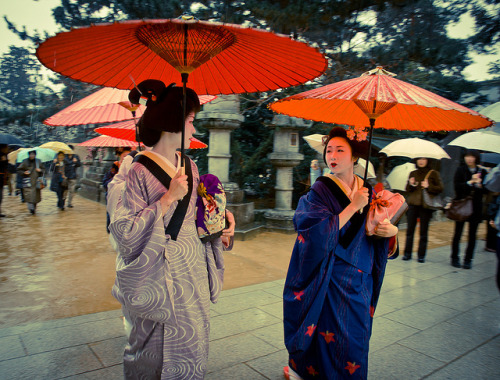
x=358, y=184
x=168, y=163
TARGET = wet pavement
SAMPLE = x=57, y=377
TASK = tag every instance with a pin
x=58, y=318
x=60, y=264
x=433, y=321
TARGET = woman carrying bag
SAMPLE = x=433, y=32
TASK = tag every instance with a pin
x=420, y=180
x=30, y=170
x=468, y=181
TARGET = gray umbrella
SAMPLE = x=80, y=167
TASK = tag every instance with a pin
x=6, y=139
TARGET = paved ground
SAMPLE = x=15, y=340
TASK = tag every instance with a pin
x=433, y=321
x=60, y=264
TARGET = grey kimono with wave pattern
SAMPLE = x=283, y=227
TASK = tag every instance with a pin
x=165, y=286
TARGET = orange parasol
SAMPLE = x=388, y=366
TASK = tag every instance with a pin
x=377, y=99
x=104, y=106
x=218, y=58
x=126, y=131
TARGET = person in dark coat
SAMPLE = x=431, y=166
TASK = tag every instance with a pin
x=108, y=177
x=468, y=180
x=422, y=178
x=19, y=184
x=31, y=168
x=71, y=163
x=59, y=182
x=492, y=183
x=4, y=161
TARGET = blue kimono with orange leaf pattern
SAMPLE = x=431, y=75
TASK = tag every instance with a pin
x=332, y=287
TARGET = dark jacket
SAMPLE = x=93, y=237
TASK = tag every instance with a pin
x=70, y=166
x=415, y=192
x=32, y=195
x=462, y=189
x=108, y=177
x=57, y=169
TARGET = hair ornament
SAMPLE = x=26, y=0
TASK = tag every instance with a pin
x=357, y=133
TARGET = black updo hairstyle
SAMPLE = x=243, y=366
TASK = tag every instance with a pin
x=163, y=109
x=359, y=148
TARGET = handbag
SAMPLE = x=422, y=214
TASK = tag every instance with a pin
x=431, y=202
x=459, y=210
x=64, y=182
x=41, y=182
x=385, y=205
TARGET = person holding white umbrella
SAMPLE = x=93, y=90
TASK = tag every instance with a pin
x=430, y=180
x=419, y=180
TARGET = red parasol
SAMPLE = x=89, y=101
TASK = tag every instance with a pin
x=377, y=99
x=109, y=142
x=218, y=58
x=126, y=130
x=104, y=106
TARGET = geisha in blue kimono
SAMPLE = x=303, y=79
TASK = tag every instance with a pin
x=165, y=275
x=336, y=271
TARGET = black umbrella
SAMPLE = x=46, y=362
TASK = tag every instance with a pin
x=6, y=139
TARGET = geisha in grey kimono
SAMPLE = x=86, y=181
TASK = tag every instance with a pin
x=166, y=277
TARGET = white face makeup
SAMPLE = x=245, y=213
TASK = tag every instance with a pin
x=339, y=156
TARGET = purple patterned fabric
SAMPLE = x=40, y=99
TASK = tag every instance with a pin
x=210, y=207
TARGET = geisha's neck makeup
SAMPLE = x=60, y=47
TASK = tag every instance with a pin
x=170, y=142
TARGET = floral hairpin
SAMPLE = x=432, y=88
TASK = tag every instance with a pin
x=357, y=133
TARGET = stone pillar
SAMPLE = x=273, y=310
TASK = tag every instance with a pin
x=221, y=116
x=285, y=157
x=91, y=183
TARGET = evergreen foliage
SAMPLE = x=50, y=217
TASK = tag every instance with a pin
x=407, y=37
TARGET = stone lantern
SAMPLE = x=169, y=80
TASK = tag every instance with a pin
x=285, y=157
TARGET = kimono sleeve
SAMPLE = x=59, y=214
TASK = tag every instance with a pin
x=138, y=221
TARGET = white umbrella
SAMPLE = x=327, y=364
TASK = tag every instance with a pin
x=482, y=140
x=492, y=111
x=414, y=148
x=359, y=169
x=398, y=177
x=316, y=142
